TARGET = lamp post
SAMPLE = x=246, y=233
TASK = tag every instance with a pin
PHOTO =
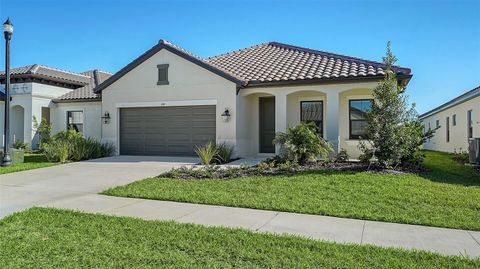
x=7, y=31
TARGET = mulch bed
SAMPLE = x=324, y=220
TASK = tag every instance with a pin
x=268, y=169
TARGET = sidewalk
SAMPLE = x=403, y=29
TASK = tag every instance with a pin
x=441, y=240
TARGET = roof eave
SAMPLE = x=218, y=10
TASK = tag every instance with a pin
x=46, y=78
x=475, y=92
x=404, y=79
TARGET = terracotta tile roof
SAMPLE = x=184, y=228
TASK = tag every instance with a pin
x=273, y=63
x=47, y=73
x=96, y=77
x=277, y=62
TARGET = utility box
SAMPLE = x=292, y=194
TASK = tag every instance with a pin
x=474, y=150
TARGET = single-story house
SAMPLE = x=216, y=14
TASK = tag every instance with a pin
x=168, y=100
x=457, y=120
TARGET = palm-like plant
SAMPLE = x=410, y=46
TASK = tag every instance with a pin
x=302, y=143
x=207, y=153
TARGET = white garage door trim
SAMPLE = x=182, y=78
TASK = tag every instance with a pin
x=204, y=102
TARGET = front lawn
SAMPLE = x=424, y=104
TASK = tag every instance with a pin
x=52, y=238
x=32, y=161
x=447, y=196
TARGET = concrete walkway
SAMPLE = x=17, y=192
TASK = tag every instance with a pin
x=25, y=189
x=441, y=240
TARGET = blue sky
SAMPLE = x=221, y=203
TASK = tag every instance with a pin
x=439, y=40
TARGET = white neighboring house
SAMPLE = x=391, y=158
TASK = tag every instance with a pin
x=458, y=120
x=39, y=91
x=168, y=100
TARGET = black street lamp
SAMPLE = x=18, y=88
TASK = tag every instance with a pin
x=7, y=30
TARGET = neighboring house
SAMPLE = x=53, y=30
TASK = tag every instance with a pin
x=39, y=91
x=458, y=120
x=167, y=101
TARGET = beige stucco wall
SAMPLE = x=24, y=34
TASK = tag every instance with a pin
x=336, y=119
x=31, y=97
x=189, y=84
x=458, y=133
x=92, y=122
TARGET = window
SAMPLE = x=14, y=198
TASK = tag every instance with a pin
x=469, y=124
x=429, y=127
x=448, y=129
x=75, y=120
x=437, y=124
x=357, y=114
x=162, y=74
x=454, y=120
x=312, y=111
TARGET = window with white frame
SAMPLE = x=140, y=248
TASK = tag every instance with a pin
x=75, y=120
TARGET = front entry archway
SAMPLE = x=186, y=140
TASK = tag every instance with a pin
x=17, y=123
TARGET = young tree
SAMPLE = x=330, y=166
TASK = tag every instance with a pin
x=394, y=131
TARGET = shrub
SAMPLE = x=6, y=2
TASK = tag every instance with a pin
x=301, y=143
x=71, y=145
x=57, y=150
x=107, y=149
x=366, y=156
x=224, y=152
x=207, y=153
x=44, y=130
x=461, y=157
x=19, y=144
x=342, y=156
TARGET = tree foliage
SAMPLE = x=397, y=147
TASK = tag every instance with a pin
x=394, y=130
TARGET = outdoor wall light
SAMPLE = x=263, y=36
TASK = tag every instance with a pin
x=226, y=115
x=106, y=118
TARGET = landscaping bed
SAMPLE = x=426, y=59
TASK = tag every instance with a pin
x=52, y=238
x=448, y=195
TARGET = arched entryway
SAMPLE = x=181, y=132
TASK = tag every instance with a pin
x=17, y=123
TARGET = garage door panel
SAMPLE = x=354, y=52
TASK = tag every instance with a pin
x=166, y=130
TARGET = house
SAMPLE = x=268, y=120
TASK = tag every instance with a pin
x=38, y=91
x=169, y=100
x=458, y=120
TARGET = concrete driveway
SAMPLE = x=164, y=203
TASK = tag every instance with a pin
x=45, y=185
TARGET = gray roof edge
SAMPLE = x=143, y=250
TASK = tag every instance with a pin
x=455, y=101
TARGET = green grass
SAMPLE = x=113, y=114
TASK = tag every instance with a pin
x=447, y=196
x=52, y=238
x=32, y=161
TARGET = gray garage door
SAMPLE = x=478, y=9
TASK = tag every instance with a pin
x=165, y=130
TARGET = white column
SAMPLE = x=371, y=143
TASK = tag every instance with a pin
x=280, y=115
x=333, y=118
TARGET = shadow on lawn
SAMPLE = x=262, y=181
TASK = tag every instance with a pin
x=443, y=168
x=440, y=167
